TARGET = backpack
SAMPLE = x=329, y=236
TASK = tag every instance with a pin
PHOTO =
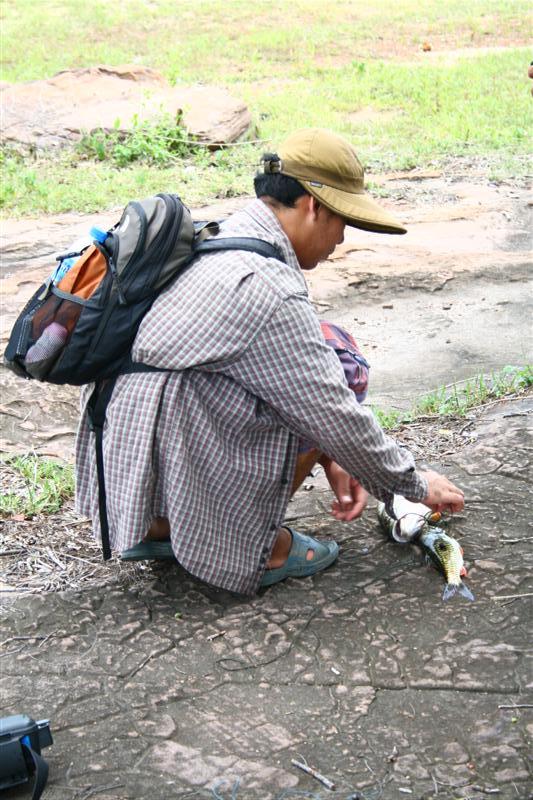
x=21, y=742
x=80, y=328
x=80, y=325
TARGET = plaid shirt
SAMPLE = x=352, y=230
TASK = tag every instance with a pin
x=212, y=444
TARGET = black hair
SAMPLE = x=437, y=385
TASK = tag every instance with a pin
x=280, y=187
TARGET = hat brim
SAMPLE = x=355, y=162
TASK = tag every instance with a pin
x=359, y=210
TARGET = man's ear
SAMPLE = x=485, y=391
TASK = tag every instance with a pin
x=315, y=206
x=308, y=204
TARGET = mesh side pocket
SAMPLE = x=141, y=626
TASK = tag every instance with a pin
x=51, y=328
x=55, y=310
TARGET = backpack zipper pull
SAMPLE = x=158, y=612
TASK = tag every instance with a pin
x=46, y=288
x=121, y=298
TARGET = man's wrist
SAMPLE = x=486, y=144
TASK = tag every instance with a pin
x=423, y=485
x=416, y=488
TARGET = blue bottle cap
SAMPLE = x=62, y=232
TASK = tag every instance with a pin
x=98, y=234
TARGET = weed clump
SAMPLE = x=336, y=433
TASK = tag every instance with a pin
x=458, y=399
x=35, y=486
x=162, y=141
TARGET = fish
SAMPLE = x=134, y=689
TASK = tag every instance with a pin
x=416, y=523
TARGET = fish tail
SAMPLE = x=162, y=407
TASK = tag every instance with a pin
x=451, y=589
x=465, y=591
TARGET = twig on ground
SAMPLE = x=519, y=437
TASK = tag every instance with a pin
x=144, y=662
x=451, y=785
x=22, y=638
x=465, y=427
x=517, y=541
x=96, y=790
x=314, y=773
x=84, y=560
x=518, y=705
x=54, y=558
x=511, y=596
x=45, y=638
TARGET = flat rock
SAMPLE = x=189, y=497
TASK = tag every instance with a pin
x=361, y=670
x=57, y=111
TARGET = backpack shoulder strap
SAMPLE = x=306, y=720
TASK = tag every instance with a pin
x=96, y=411
x=41, y=771
x=252, y=245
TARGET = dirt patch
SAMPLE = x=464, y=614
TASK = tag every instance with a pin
x=422, y=44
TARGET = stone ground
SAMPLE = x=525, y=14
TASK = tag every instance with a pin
x=166, y=688
x=159, y=686
x=449, y=300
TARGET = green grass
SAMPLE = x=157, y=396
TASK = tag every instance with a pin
x=40, y=185
x=358, y=70
x=236, y=41
x=40, y=486
x=457, y=400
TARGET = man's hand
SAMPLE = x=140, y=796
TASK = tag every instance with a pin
x=442, y=494
x=351, y=497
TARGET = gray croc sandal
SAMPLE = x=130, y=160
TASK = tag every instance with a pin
x=297, y=564
x=149, y=551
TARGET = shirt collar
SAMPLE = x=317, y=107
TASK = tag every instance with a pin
x=263, y=216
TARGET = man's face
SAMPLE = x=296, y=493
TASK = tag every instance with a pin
x=325, y=231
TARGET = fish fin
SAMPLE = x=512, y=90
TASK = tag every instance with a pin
x=449, y=591
x=463, y=573
x=465, y=591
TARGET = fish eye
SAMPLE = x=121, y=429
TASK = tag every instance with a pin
x=441, y=546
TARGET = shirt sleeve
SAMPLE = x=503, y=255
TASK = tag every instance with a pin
x=289, y=366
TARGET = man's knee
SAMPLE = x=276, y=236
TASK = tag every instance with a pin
x=355, y=366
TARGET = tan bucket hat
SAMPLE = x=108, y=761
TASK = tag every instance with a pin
x=328, y=168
